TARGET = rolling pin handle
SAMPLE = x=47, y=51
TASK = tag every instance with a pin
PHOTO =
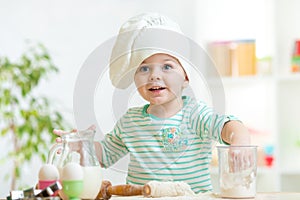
x=147, y=190
x=103, y=193
x=125, y=190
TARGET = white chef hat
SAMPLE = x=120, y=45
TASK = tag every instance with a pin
x=141, y=37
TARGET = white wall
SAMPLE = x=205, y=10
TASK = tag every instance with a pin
x=235, y=19
x=71, y=30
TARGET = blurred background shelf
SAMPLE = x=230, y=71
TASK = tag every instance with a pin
x=292, y=77
x=247, y=79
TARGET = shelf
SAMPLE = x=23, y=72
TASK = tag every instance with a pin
x=247, y=79
x=289, y=77
x=259, y=78
x=242, y=80
x=290, y=172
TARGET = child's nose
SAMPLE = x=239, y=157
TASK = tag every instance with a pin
x=155, y=75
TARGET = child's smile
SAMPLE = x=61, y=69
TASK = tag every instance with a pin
x=157, y=90
x=160, y=80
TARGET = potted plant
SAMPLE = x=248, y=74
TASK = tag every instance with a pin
x=27, y=118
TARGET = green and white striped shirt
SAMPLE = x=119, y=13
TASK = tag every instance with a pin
x=177, y=148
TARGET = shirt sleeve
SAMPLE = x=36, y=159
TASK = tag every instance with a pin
x=113, y=147
x=207, y=123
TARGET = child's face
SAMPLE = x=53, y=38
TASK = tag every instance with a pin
x=160, y=79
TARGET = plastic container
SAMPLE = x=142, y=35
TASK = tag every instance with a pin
x=237, y=171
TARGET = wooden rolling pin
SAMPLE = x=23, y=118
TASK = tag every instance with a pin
x=107, y=190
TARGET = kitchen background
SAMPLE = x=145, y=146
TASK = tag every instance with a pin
x=266, y=99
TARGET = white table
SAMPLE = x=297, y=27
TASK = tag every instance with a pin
x=259, y=196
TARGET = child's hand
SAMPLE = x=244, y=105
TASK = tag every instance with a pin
x=241, y=159
x=61, y=132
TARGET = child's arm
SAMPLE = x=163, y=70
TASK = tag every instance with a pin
x=98, y=149
x=235, y=133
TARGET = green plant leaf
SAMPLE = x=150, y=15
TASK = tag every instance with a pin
x=4, y=131
x=29, y=118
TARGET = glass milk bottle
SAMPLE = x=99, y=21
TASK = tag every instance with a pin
x=79, y=147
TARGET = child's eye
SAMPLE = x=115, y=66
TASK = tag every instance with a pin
x=167, y=67
x=143, y=69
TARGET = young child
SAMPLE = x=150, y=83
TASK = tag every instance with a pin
x=171, y=137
